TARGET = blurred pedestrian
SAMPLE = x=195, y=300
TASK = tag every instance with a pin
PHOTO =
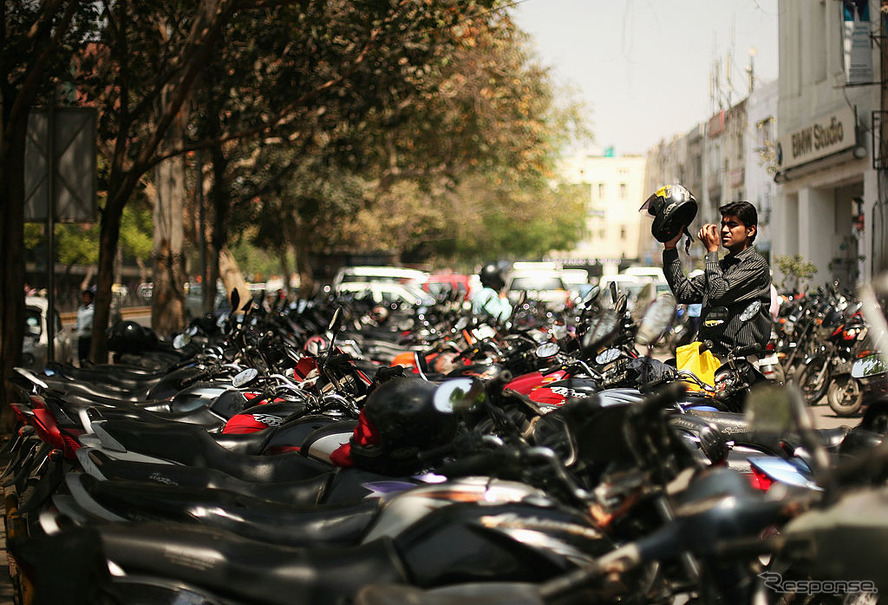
x=491, y=300
x=84, y=326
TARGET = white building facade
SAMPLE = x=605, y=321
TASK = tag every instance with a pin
x=828, y=187
x=761, y=143
x=615, y=187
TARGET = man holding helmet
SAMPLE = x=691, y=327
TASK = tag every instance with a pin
x=734, y=291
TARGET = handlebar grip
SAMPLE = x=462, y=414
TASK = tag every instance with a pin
x=746, y=350
x=480, y=464
x=338, y=359
x=495, y=385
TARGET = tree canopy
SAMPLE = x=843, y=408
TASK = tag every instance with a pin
x=424, y=127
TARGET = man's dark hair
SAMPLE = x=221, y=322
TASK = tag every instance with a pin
x=743, y=210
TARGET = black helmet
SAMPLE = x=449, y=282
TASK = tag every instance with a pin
x=492, y=276
x=673, y=208
x=127, y=337
x=402, y=413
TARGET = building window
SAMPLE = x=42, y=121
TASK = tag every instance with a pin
x=623, y=191
x=623, y=233
x=819, y=32
x=601, y=191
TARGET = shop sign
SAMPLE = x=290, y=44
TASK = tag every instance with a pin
x=820, y=138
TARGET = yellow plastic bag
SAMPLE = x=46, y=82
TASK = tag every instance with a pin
x=703, y=365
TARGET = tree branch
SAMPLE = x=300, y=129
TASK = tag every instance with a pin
x=28, y=90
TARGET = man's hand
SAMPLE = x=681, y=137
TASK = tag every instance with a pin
x=710, y=237
x=671, y=244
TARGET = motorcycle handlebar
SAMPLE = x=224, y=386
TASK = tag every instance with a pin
x=483, y=464
x=495, y=385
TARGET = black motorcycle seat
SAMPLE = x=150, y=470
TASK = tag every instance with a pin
x=132, y=433
x=202, y=416
x=92, y=390
x=306, y=492
x=333, y=429
x=193, y=446
x=491, y=593
x=253, y=571
x=115, y=371
x=272, y=522
x=83, y=397
x=108, y=375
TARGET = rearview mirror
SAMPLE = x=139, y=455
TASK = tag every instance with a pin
x=607, y=356
x=591, y=295
x=335, y=321
x=181, y=341
x=871, y=365
x=547, y=350
x=601, y=331
x=656, y=320
x=244, y=377
x=458, y=395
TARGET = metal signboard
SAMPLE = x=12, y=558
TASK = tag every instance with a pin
x=70, y=133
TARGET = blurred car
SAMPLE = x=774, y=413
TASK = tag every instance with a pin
x=541, y=285
x=442, y=284
x=652, y=273
x=389, y=293
x=367, y=274
x=36, y=342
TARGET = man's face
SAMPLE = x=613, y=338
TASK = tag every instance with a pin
x=735, y=236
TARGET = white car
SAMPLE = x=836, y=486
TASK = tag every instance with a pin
x=383, y=292
x=390, y=275
x=542, y=285
x=36, y=343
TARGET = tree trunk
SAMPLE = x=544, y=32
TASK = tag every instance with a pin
x=302, y=245
x=232, y=276
x=210, y=20
x=109, y=237
x=220, y=198
x=285, y=268
x=12, y=266
x=15, y=105
x=168, y=301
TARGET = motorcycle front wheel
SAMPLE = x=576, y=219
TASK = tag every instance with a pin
x=844, y=395
x=814, y=380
